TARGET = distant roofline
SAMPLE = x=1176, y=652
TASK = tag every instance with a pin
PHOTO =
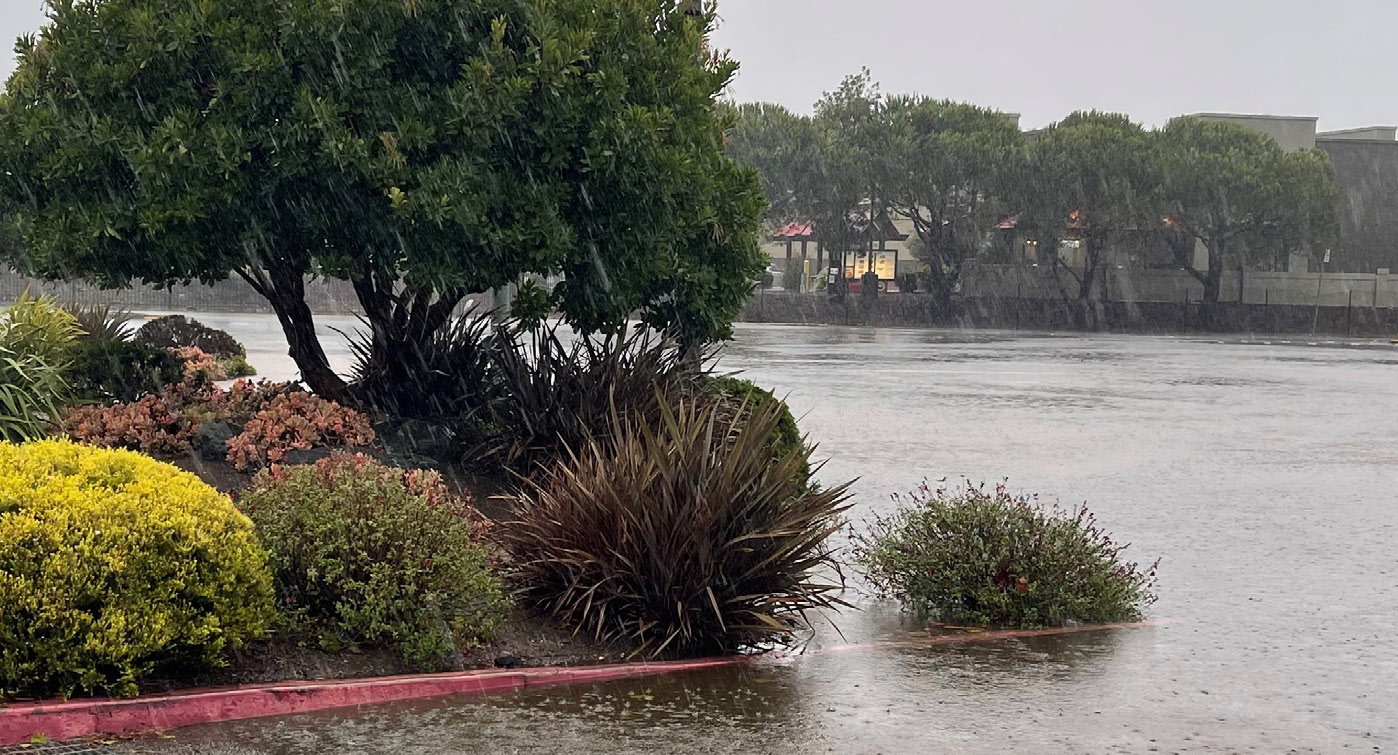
x=1341, y=140
x=1257, y=116
x=1360, y=130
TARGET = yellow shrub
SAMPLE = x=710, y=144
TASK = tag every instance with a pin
x=112, y=563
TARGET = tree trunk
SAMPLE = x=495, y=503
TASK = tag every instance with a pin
x=1093, y=252
x=1213, y=286
x=402, y=326
x=1213, y=279
x=284, y=287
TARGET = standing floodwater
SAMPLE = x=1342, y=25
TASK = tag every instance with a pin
x=1265, y=476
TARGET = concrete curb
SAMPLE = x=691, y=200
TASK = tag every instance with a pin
x=59, y=720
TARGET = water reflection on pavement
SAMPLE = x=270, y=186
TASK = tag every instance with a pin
x=1265, y=475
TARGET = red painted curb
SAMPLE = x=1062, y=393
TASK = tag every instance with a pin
x=60, y=720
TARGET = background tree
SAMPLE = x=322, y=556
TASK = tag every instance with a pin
x=421, y=149
x=1097, y=173
x=842, y=196
x=1235, y=192
x=780, y=145
x=941, y=165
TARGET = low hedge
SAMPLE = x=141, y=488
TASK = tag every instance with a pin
x=111, y=564
x=362, y=553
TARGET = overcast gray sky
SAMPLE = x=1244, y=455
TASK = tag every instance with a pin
x=1044, y=58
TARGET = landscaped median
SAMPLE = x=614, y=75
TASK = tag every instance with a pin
x=59, y=720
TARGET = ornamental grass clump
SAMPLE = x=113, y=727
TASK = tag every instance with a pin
x=988, y=557
x=112, y=564
x=362, y=553
x=683, y=538
x=553, y=393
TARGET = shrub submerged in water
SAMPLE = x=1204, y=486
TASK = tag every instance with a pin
x=989, y=557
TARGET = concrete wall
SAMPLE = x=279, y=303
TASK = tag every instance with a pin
x=1367, y=172
x=1146, y=285
x=919, y=310
x=1291, y=132
x=325, y=296
x=1371, y=134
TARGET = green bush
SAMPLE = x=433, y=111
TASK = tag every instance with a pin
x=362, y=553
x=681, y=537
x=111, y=564
x=104, y=371
x=38, y=327
x=786, y=438
x=103, y=323
x=988, y=557
x=36, y=342
x=237, y=366
x=31, y=391
x=180, y=332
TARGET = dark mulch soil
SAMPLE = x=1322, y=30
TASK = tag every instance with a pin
x=218, y=474
x=523, y=641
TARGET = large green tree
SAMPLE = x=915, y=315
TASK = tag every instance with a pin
x=1235, y=192
x=421, y=149
x=942, y=165
x=1092, y=174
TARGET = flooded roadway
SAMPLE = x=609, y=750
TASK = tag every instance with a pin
x=1266, y=476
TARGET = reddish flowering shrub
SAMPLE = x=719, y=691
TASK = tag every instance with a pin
x=297, y=421
x=165, y=422
x=236, y=404
x=200, y=365
x=154, y=424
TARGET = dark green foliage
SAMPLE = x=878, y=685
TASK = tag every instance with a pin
x=103, y=322
x=553, y=395
x=786, y=438
x=1245, y=199
x=180, y=332
x=420, y=149
x=362, y=553
x=1097, y=173
x=908, y=282
x=992, y=558
x=450, y=377
x=106, y=371
x=683, y=536
x=943, y=165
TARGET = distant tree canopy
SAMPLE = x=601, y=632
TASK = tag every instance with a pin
x=1093, y=174
x=812, y=168
x=1237, y=193
x=957, y=170
x=944, y=166
x=421, y=149
x=861, y=153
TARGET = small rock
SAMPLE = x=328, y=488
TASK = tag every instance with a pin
x=211, y=442
x=509, y=660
